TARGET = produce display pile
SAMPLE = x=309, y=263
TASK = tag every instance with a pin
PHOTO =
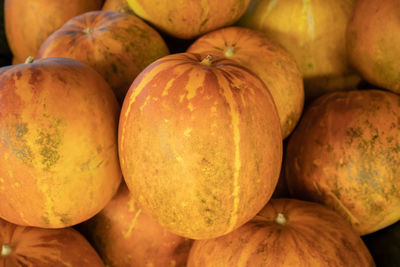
x=200, y=133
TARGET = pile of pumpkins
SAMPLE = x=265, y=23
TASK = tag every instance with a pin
x=200, y=133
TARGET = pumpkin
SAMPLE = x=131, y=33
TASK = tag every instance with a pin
x=117, y=6
x=58, y=143
x=30, y=246
x=287, y=232
x=116, y=45
x=200, y=144
x=345, y=153
x=267, y=59
x=373, y=42
x=189, y=19
x=29, y=24
x=314, y=32
x=124, y=236
x=384, y=245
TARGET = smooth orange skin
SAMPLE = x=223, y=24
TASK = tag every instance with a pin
x=28, y=24
x=312, y=236
x=345, y=153
x=116, y=45
x=188, y=19
x=267, y=59
x=314, y=32
x=200, y=144
x=125, y=236
x=33, y=246
x=58, y=143
x=373, y=42
x=117, y=6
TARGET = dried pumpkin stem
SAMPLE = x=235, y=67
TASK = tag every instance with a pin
x=280, y=219
x=87, y=30
x=29, y=60
x=207, y=60
x=230, y=52
x=6, y=249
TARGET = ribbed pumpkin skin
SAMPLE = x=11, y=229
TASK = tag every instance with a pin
x=373, y=42
x=188, y=19
x=58, y=143
x=345, y=153
x=200, y=146
x=124, y=236
x=117, y=6
x=272, y=63
x=314, y=32
x=312, y=236
x=46, y=247
x=28, y=24
x=116, y=45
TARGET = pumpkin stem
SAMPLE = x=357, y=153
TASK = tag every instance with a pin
x=29, y=60
x=230, y=52
x=207, y=61
x=87, y=30
x=6, y=249
x=280, y=219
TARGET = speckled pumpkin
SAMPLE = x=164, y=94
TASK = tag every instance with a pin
x=124, y=236
x=30, y=246
x=373, y=42
x=116, y=45
x=345, y=153
x=200, y=144
x=314, y=32
x=58, y=143
x=267, y=59
x=287, y=232
x=188, y=19
x=28, y=24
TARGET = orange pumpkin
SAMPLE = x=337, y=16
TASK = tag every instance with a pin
x=200, y=144
x=116, y=45
x=272, y=63
x=124, y=236
x=314, y=32
x=30, y=246
x=28, y=24
x=287, y=232
x=373, y=42
x=345, y=153
x=117, y=6
x=58, y=143
x=188, y=19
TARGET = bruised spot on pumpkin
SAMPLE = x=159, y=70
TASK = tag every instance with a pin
x=14, y=137
x=36, y=76
x=353, y=133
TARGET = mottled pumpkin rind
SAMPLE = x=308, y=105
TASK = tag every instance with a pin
x=58, y=143
x=125, y=236
x=345, y=153
x=267, y=59
x=207, y=139
x=311, y=236
x=33, y=246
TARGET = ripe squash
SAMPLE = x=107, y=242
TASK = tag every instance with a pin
x=345, y=153
x=189, y=19
x=266, y=58
x=373, y=42
x=58, y=143
x=117, y=6
x=314, y=32
x=28, y=24
x=116, y=45
x=124, y=236
x=200, y=144
x=287, y=232
x=30, y=246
